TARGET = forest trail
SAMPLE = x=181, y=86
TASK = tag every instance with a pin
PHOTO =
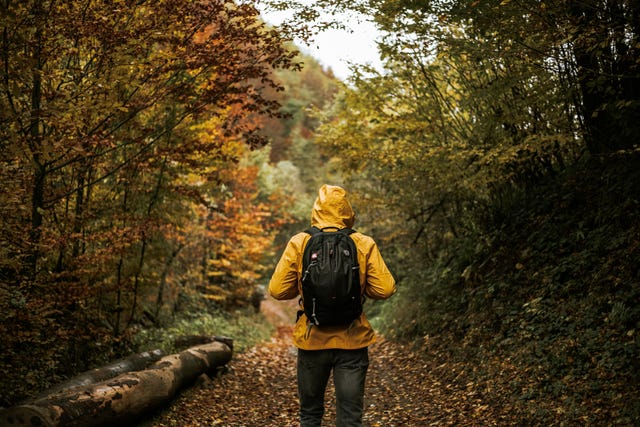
x=403, y=389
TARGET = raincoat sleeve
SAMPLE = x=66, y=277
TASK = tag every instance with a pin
x=284, y=282
x=379, y=282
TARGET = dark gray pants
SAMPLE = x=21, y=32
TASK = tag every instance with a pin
x=349, y=373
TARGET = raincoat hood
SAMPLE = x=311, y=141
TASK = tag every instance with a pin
x=332, y=209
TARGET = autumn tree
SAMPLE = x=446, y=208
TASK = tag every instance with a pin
x=99, y=110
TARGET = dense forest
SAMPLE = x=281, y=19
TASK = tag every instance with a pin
x=156, y=155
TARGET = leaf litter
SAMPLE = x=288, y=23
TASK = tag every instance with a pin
x=404, y=388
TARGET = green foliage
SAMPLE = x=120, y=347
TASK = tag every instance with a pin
x=511, y=256
x=306, y=90
x=283, y=180
x=244, y=326
x=539, y=302
x=554, y=57
x=429, y=301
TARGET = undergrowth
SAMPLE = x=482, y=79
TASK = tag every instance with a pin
x=244, y=326
x=546, y=314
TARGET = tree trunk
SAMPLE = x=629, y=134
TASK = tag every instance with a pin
x=123, y=399
x=35, y=146
x=135, y=362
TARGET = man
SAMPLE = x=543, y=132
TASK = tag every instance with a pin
x=341, y=349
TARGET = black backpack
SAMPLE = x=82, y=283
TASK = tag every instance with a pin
x=331, y=292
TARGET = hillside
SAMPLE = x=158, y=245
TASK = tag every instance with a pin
x=552, y=310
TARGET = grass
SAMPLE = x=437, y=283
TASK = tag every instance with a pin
x=244, y=326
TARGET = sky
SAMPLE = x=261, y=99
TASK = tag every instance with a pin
x=335, y=49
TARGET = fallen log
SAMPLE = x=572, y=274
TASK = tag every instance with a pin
x=187, y=341
x=124, y=398
x=135, y=362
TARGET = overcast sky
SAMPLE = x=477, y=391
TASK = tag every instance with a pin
x=336, y=48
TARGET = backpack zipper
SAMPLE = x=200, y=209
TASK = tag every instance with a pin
x=313, y=313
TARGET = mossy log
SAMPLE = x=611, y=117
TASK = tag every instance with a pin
x=124, y=398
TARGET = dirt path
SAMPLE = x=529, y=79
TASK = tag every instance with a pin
x=259, y=389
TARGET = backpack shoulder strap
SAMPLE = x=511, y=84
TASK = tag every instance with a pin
x=313, y=231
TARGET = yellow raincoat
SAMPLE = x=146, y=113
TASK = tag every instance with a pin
x=332, y=209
